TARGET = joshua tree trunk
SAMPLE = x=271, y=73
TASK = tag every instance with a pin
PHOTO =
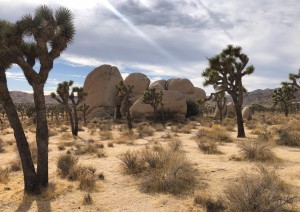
x=75, y=120
x=69, y=114
x=41, y=134
x=239, y=117
x=30, y=176
x=286, y=110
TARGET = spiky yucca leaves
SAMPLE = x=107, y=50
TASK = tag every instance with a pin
x=125, y=92
x=225, y=71
x=84, y=108
x=284, y=96
x=153, y=98
x=294, y=78
x=65, y=96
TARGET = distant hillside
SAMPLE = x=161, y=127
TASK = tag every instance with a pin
x=263, y=97
x=20, y=97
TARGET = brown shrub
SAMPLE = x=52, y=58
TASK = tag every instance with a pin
x=16, y=166
x=256, y=151
x=65, y=164
x=4, y=175
x=2, y=145
x=210, y=204
x=260, y=191
x=175, y=144
x=105, y=135
x=208, y=146
x=87, y=199
x=144, y=129
x=131, y=161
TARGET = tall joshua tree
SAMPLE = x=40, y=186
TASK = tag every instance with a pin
x=39, y=37
x=153, y=98
x=283, y=96
x=125, y=92
x=65, y=96
x=226, y=71
x=84, y=108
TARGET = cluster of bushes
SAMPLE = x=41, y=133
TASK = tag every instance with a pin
x=161, y=169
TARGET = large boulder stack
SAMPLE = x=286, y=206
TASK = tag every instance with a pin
x=247, y=114
x=140, y=83
x=159, y=85
x=172, y=100
x=183, y=86
x=100, y=85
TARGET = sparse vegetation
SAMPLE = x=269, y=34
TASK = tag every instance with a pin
x=4, y=175
x=261, y=191
x=65, y=164
x=257, y=151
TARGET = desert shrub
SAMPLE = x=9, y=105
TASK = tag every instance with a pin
x=288, y=138
x=265, y=136
x=16, y=166
x=208, y=146
x=159, y=127
x=187, y=129
x=88, y=148
x=105, y=135
x=101, y=153
x=251, y=124
x=2, y=145
x=175, y=129
x=219, y=134
x=175, y=144
x=210, y=204
x=87, y=181
x=256, y=151
x=78, y=171
x=144, y=129
x=65, y=164
x=87, y=199
x=192, y=108
x=105, y=126
x=131, y=161
x=33, y=150
x=63, y=129
x=202, y=132
x=4, y=175
x=151, y=157
x=260, y=191
x=101, y=176
x=175, y=174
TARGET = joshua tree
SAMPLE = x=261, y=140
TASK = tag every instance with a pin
x=226, y=71
x=41, y=37
x=84, y=108
x=125, y=92
x=152, y=98
x=283, y=96
x=64, y=97
x=294, y=78
x=220, y=100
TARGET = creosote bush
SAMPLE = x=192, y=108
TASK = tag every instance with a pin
x=161, y=170
x=256, y=151
x=288, y=137
x=65, y=164
x=260, y=191
x=144, y=129
x=208, y=146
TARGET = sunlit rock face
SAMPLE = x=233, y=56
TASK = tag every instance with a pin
x=100, y=85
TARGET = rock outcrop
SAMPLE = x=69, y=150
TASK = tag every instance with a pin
x=247, y=114
x=100, y=85
x=140, y=83
x=173, y=101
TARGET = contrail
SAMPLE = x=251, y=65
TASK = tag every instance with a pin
x=140, y=33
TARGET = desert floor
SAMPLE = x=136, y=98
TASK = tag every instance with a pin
x=120, y=191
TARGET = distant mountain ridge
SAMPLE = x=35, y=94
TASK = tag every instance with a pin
x=259, y=96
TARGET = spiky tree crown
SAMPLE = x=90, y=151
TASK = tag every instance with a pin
x=152, y=97
x=284, y=94
x=227, y=68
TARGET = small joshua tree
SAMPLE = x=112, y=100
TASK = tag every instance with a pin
x=125, y=92
x=153, y=98
x=284, y=96
x=65, y=97
x=84, y=108
x=226, y=71
x=294, y=78
x=220, y=100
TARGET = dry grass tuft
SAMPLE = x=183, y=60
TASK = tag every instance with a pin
x=105, y=135
x=110, y=144
x=256, y=151
x=2, y=145
x=144, y=129
x=210, y=204
x=4, y=175
x=15, y=166
x=65, y=164
x=175, y=144
x=187, y=129
x=66, y=136
x=260, y=191
x=208, y=146
x=87, y=199
x=131, y=161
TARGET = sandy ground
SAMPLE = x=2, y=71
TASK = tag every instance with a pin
x=119, y=192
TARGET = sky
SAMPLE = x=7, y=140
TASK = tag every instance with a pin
x=170, y=38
